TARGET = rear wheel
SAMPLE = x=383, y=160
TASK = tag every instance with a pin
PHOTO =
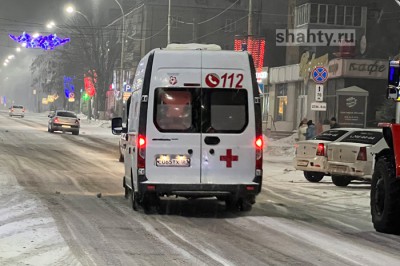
x=121, y=157
x=75, y=132
x=134, y=197
x=240, y=204
x=341, y=180
x=385, y=197
x=313, y=177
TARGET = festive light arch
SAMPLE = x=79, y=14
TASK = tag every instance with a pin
x=46, y=42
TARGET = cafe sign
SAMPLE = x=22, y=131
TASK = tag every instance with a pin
x=358, y=68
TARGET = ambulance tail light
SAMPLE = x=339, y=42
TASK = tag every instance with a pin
x=320, y=149
x=259, y=143
x=141, y=158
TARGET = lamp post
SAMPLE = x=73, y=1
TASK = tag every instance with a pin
x=121, y=74
x=169, y=22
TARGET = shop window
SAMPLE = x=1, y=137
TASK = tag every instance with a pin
x=282, y=101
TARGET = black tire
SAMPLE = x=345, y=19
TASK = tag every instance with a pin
x=134, y=197
x=341, y=180
x=126, y=188
x=51, y=129
x=385, y=197
x=313, y=177
x=75, y=132
x=121, y=157
x=241, y=204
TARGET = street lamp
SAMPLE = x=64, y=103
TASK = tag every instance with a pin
x=50, y=25
x=70, y=9
x=121, y=74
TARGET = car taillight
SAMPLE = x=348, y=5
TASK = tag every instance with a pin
x=259, y=143
x=320, y=149
x=77, y=121
x=362, y=154
x=56, y=120
x=23, y=110
x=141, y=158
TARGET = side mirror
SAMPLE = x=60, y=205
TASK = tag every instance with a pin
x=116, y=126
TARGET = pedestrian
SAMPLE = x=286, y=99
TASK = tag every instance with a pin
x=302, y=130
x=333, y=123
x=310, y=132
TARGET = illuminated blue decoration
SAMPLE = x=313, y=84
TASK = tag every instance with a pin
x=68, y=86
x=48, y=42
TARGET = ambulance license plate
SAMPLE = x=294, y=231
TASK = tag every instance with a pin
x=172, y=160
x=65, y=126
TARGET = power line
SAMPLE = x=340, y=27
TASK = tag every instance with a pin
x=207, y=20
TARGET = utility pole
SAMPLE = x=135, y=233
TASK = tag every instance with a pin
x=169, y=22
x=250, y=21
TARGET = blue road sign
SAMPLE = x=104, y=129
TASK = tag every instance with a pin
x=320, y=74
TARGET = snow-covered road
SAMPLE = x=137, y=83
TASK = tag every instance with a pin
x=51, y=212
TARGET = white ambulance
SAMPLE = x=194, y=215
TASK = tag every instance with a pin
x=194, y=127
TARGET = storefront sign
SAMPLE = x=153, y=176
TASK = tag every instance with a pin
x=358, y=68
x=307, y=64
x=351, y=111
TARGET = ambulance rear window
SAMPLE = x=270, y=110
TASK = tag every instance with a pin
x=173, y=110
x=227, y=111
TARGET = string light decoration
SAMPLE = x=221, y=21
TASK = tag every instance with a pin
x=45, y=42
x=255, y=46
x=68, y=86
x=89, y=83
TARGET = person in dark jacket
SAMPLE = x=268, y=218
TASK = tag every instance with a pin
x=310, y=133
x=333, y=123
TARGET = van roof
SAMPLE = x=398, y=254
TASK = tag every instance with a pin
x=193, y=46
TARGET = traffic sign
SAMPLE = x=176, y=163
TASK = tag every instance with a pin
x=318, y=106
x=320, y=74
x=319, y=92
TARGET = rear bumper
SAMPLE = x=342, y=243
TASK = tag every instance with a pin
x=350, y=169
x=315, y=164
x=202, y=190
x=61, y=128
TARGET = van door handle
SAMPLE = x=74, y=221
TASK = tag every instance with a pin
x=211, y=140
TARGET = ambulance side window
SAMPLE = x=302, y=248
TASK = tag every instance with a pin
x=225, y=111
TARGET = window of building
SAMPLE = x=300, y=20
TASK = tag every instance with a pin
x=340, y=15
x=331, y=14
x=314, y=13
x=322, y=14
x=357, y=16
x=282, y=101
x=349, y=16
x=302, y=14
x=230, y=25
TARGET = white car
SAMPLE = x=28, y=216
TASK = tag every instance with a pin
x=311, y=154
x=17, y=110
x=353, y=157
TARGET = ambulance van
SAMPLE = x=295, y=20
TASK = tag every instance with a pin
x=193, y=127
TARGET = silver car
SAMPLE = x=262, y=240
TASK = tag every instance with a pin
x=65, y=121
x=17, y=110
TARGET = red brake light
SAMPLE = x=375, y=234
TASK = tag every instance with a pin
x=141, y=142
x=56, y=120
x=362, y=154
x=259, y=143
x=23, y=110
x=321, y=149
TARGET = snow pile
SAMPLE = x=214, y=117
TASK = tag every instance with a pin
x=280, y=147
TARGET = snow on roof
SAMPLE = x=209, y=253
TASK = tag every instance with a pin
x=193, y=46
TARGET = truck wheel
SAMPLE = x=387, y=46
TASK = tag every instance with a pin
x=239, y=204
x=385, y=197
x=341, y=180
x=313, y=177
